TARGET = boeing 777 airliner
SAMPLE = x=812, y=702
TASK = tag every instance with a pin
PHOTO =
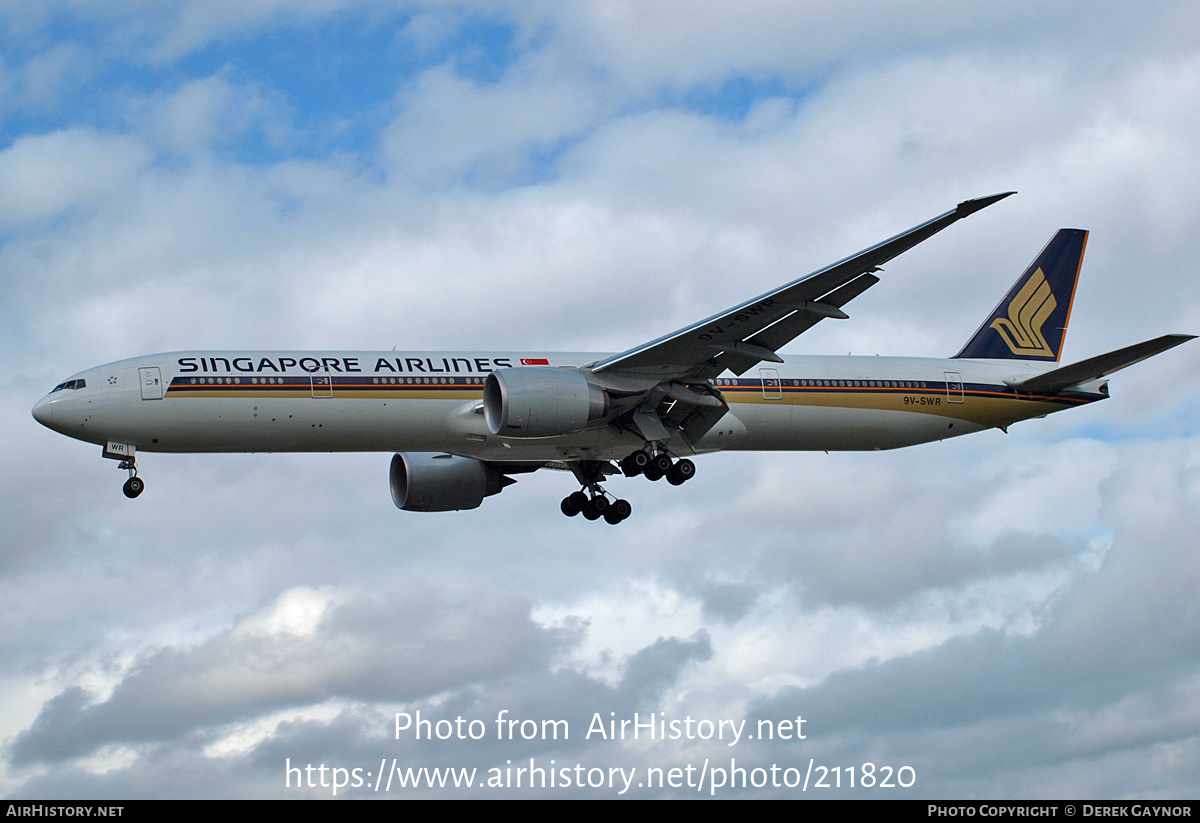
x=462, y=423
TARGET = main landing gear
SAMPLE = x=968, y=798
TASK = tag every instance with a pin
x=596, y=506
x=593, y=502
x=134, y=485
x=658, y=466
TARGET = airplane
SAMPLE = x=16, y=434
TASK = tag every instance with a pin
x=463, y=423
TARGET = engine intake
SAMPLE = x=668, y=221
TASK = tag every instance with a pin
x=537, y=401
x=442, y=482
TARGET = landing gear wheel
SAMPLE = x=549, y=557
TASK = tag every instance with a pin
x=573, y=504
x=652, y=473
x=133, y=487
x=681, y=472
x=595, y=507
x=618, y=511
x=635, y=463
x=662, y=463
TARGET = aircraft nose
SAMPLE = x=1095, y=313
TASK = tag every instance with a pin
x=43, y=411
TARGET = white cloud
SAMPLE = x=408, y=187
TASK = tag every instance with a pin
x=449, y=128
x=43, y=176
x=201, y=114
x=49, y=75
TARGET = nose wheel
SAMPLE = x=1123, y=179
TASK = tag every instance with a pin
x=134, y=485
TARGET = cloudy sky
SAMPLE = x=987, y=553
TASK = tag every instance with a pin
x=1006, y=615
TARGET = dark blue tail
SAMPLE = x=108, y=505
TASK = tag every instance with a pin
x=1031, y=321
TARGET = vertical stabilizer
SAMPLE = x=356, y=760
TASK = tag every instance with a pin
x=1031, y=321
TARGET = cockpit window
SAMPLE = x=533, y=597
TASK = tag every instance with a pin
x=69, y=384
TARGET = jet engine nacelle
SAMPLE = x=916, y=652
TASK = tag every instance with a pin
x=442, y=482
x=538, y=401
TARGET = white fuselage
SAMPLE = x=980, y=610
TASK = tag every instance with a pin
x=254, y=401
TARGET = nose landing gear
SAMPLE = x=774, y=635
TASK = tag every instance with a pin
x=127, y=454
x=134, y=485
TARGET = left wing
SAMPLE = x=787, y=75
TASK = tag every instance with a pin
x=749, y=333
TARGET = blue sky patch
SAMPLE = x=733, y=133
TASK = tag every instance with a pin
x=336, y=77
x=734, y=97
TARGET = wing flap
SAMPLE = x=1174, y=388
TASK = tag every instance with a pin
x=792, y=326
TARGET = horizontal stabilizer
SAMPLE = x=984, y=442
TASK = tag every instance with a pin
x=1096, y=367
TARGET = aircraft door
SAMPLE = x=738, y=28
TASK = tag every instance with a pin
x=954, y=387
x=151, y=380
x=322, y=385
x=772, y=389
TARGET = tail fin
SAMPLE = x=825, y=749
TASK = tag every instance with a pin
x=1031, y=321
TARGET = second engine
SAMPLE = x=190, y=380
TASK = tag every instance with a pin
x=537, y=401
